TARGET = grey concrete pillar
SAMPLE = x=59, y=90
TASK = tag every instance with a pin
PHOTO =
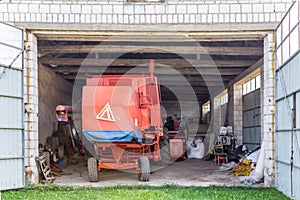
x=230, y=105
x=268, y=108
x=238, y=113
x=31, y=108
x=217, y=115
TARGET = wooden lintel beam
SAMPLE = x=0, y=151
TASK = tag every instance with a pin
x=168, y=82
x=200, y=99
x=195, y=78
x=168, y=96
x=164, y=94
x=210, y=50
x=156, y=36
x=144, y=62
x=167, y=78
x=122, y=39
x=212, y=86
x=158, y=70
x=197, y=88
x=192, y=94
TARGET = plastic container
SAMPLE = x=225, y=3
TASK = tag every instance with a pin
x=61, y=162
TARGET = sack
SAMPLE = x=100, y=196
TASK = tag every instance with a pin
x=196, y=152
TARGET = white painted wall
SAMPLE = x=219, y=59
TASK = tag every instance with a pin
x=118, y=12
x=31, y=100
x=268, y=108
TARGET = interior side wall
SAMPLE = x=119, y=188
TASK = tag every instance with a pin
x=53, y=90
x=190, y=110
x=171, y=107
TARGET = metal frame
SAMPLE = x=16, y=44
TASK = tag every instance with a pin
x=124, y=155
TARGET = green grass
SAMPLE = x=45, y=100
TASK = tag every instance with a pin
x=54, y=192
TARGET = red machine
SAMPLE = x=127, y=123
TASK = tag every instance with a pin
x=63, y=112
x=121, y=118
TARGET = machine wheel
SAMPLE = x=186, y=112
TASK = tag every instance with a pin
x=93, y=170
x=144, y=165
x=165, y=147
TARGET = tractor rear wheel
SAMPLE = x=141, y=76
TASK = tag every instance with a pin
x=144, y=166
x=93, y=170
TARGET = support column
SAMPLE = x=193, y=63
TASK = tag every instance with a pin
x=268, y=111
x=230, y=105
x=238, y=113
x=217, y=115
x=31, y=108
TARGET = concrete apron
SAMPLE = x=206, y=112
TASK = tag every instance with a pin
x=191, y=172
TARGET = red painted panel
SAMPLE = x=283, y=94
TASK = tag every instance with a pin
x=176, y=148
x=133, y=99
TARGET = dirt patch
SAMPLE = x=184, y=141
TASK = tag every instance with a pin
x=186, y=173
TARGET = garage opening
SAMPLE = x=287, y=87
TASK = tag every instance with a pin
x=191, y=73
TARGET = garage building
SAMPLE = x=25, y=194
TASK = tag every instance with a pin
x=216, y=62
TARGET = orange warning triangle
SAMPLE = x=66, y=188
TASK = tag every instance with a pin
x=106, y=114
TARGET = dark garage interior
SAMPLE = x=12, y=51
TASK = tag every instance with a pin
x=191, y=71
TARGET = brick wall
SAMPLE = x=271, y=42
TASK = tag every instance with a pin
x=238, y=113
x=258, y=12
x=188, y=109
x=268, y=111
x=118, y=12
x=31, y=100
x=217, y=115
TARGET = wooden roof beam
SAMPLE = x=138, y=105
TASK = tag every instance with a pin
x=199, y=97
x=166, y=78
x=169, y=82
x=158, y=70
x=148, y=36
x=143, y=62
x=210, y=50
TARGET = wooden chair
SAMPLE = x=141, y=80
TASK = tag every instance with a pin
x=220, y=155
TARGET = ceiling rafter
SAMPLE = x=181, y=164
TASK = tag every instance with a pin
x=208, y=68
x=210, y=50
x=227, y=71
x=142, y=62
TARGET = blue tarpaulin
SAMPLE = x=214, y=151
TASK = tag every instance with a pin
x=112, y=136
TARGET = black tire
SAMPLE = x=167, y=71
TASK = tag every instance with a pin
x=164, y=146
x=144, y=166
x=93, y=170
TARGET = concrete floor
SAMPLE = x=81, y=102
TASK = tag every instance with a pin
x=186, y=173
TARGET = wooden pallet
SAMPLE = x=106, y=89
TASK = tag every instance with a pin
x=44, y=169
